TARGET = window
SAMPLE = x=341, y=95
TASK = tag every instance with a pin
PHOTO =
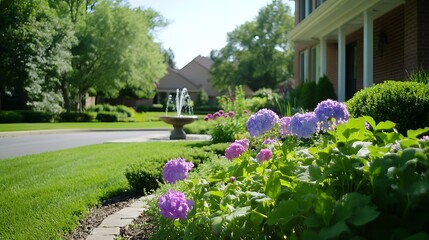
x=305, y=8
x=303, y=66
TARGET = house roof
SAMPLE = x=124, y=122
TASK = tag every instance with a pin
x=194, y=76
x=325, y=20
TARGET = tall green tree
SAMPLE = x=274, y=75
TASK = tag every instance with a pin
x=35, y=49
x=117, y=51
x=257, y=53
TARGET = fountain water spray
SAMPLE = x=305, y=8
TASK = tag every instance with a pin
x=183, y=101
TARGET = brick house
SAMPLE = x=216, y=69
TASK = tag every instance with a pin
x=358, y=43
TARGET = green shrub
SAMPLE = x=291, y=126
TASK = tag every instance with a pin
x=36, y=117
x=125, y=110
x=307, y=96
x=202, y=98
x=157, y=108
x=256, y=103
x=421, y=76
x=10, y=117
x=198, y=127
x=76, y=117
x=108, y=117
x=144, y=178
x=325, y=90
x=405, y=103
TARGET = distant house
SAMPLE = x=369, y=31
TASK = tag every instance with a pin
x=194, y=76
x=358, y=43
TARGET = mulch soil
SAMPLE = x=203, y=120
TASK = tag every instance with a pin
x=140, y=228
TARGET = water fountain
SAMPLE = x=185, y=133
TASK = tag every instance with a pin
x=182, y=102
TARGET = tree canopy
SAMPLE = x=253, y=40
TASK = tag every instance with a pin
x=257, y=52
x=54, y=52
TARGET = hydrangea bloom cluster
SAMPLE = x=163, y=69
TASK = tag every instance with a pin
x=303, y=125
x=234, y=150
x=262, y=121
x=176, y=169
x=264, y=155
x=244, y=142
x=269, y=141
x=174, y=205
x=329, y=109
x=284, y=126
x=425, y=138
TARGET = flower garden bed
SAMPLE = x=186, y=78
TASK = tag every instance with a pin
x=312, y=175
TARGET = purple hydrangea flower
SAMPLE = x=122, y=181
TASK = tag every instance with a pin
x=262, y=121
x=176, y=169
x=206, y=118
x=269, y=141
x=244, y=142
x=174, y=205
x=264, y=155
x=328, y=109
x=234, y=150
x=425, y=138
x=284, y=125
x=232, y=179
x=303, y=125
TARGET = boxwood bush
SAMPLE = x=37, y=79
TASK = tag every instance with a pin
x=30, y=116
x=10, y=117
x=405, y=103
x=108, y=117
x=76, y=117
x=145, y=177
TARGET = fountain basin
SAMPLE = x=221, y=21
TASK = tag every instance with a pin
x=178, y=122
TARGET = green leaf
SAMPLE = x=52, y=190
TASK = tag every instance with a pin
x=418, y=236
x=273, y=187
x=356, y=209
x=324, y=207
x=238, y=213
x=285, y=212
x=334, y=232
x=418, y=133
x=387, y=125
x=216, y=194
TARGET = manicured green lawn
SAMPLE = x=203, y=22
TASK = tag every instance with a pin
x=7, y=127
x=43, y=196
x=148, y=120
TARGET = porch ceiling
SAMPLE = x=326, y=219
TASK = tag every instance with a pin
x=326, y=19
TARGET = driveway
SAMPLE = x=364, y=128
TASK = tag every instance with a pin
x=26, y=143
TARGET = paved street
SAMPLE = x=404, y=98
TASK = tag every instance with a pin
x=14, y=145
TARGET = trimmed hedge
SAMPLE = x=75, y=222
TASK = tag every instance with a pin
x=76, y=117
x=405, y=103
x=11, y=117
x=145, y=177
x=108, y=117
x=35, y=116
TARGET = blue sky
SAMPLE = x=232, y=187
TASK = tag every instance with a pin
x=198, y=26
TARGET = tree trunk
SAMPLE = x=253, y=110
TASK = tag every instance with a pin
x=66, y=97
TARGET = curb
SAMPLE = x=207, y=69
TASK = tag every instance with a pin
x=53, y=131
x=110, y=226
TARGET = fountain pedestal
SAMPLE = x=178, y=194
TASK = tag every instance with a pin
x=178, y=122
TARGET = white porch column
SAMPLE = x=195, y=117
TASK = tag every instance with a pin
x=323, y=57
x=341, y=65
x=368, y=52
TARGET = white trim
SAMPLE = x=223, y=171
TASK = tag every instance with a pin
x=341, y=65
x=332, y=14
x=323, y=57
x=368, y=50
